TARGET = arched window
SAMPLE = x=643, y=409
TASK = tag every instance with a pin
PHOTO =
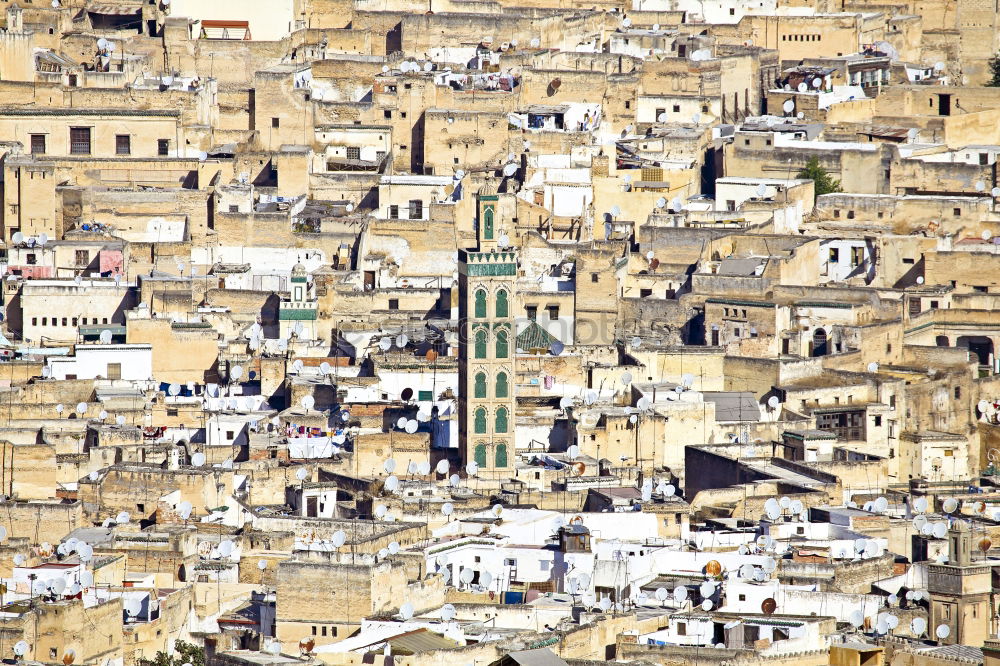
x=480, y=303
x=501, y=420
x=819, y=343
x=481, y=455
x=502, y=389
x=480, y=424
x=480, y=343
x=488, y=223
x=500, y=458
x=480, y=391
x=941, y=341
x=502, y=346
x=502, y=307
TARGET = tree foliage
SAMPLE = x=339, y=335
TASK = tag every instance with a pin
x=994, y=81
x=185, y=653
x=824, y=182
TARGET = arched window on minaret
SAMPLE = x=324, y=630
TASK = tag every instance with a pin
x=503, y=348
x=481, y=455
x=480, y=303
x=480, y=421
x=481, y=343
x=488, y=223
x=500, y=459
x=501, y=421
x=503, y=390
x=480, y=390
x=502, y=306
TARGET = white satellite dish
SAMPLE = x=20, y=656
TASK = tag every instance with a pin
x=788, y=106
x=308, y=402
x=389, y=465
x=509, y=170
x=226, y=548
x=339, y=538
x=184, y=509
x=472, y=468
x=943, y=631
x=447, y=612
x=773, y=402
x=301, y=473
x=406, y=610
x=392, y=484
x=198, y=459
x=105, y=337
x=949, y=505
x=442, y=467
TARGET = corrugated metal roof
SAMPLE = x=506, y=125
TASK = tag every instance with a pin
x=420, y=640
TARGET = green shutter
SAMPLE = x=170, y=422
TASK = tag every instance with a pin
x=480, y=304
x=480, y=344
x=502, y=307
x=481, y=455
x=502, y=388
x=501, y=420
x=501, y=456
x=425, y=395
x=480, y=391
x=502, y=346
x=480, y=426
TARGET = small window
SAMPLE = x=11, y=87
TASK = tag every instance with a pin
x=908, y=260
x=37, y=144
x=677, y=108
x=594, y=277
x=878, y=421
x=682, y=629
x=162, y=147
x=324, y=628
x=553, y=311
x=387, y=113
x=230, y=435
x=34, y=321
x=958, y=392
x=314, y=630
x=393, y=303
x=393, y=212
x=32, y=259
x=957, y=212
x=353, y=153
x=123, y=144
x=172, y=412
x=628, y=104
x=53, y=653
x=276, y=123
x=79, y=140
x=531, y=311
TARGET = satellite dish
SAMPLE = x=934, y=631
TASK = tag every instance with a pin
x=226, y=548
x=122, y=518
x=447, y=508
x=385, y=344
x=59, y=408
x=21, y=648
x=308, y=402
x=105, y=337
x=301, y=473
x=472, y=468
x=447, y=611
x=392, y=484
x=401, y=340
x=43, y=238
x=339, y=538
x=442, y=467
x=406, y=610
x=615, y=211
x=949, y=505
x=788, y=106
x=454, y=480
x=943, y=631
x=940, y=530
x=768, y=606
x=920, y=505
x=198, y=459
x=680, y=594
x=324, y=368
x=174, y=389
x=389, y=465
x=81, y=408
x=509, y=170
x=802, y=87
x=411, y=426
x=773, y=402
x=857, y=618
x=467, y=575
x=237, y=371
x=120, y=420
x=381, y=510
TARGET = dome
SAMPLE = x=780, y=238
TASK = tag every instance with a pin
x=488, y=188
x=298, y=269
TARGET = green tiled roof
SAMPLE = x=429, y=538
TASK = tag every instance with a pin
x=534, y=337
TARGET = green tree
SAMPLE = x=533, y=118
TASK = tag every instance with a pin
x=994, y=81
x=824, y=183
x=186, y=653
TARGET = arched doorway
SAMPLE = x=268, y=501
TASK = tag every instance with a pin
x=819, y=343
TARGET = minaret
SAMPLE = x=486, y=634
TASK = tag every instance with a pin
x=486, y=278
x=960, y=591
x=297, y=315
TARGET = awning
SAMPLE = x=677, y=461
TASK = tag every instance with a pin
x=115, y=10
